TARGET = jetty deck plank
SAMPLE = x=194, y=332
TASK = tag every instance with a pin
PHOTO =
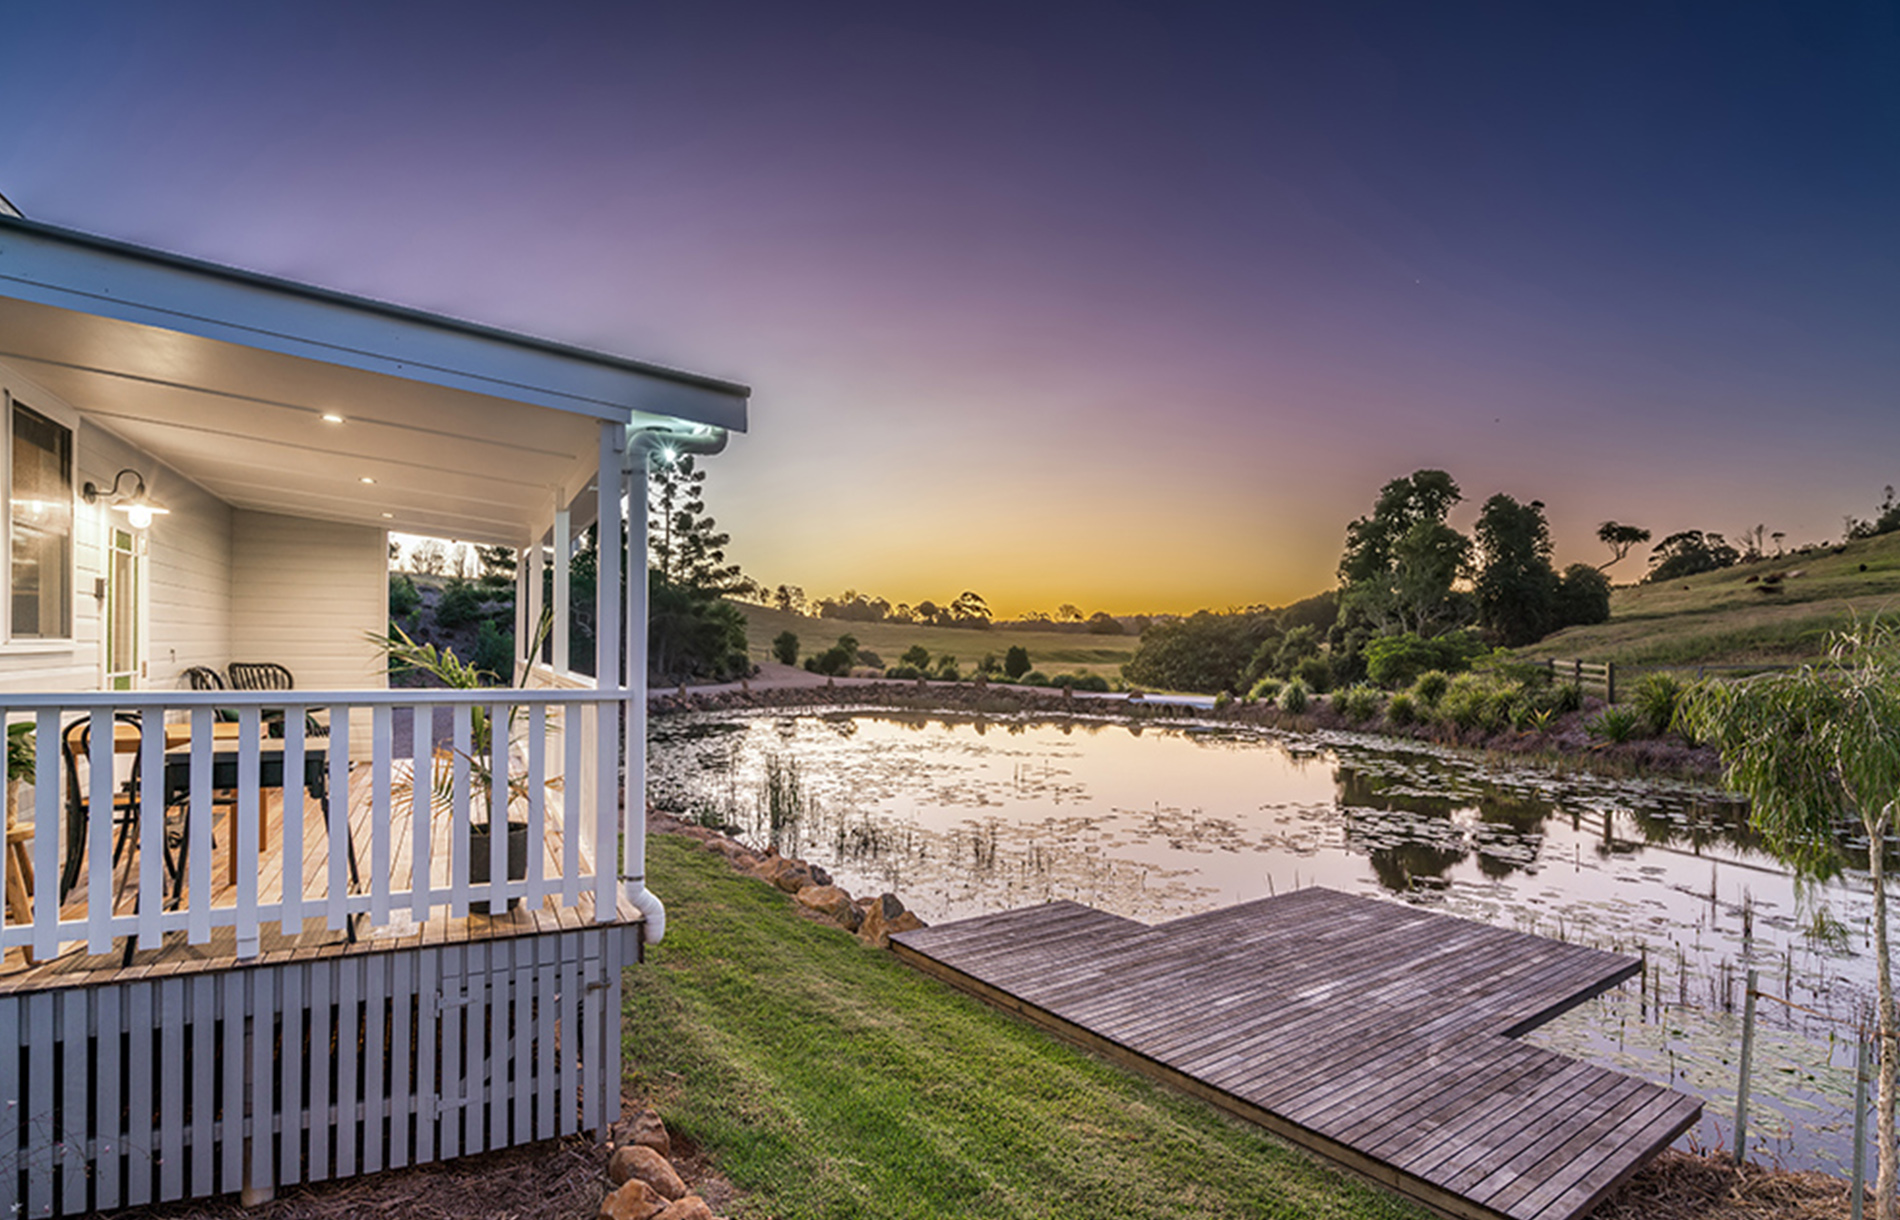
x=1378, y=1035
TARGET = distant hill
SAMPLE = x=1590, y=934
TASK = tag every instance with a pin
x=1774, y=611
x=1050, y=651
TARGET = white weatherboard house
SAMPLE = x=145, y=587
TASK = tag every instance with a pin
x=243, y=947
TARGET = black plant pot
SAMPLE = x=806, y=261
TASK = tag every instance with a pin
x=478, y=857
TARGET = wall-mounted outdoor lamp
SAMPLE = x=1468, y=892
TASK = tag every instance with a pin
x=135, y=504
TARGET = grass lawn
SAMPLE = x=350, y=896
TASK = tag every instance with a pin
x=827, y=1080
x=1724, y=618
x=1052, y=652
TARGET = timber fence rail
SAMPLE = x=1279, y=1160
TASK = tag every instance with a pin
x=1588, y=675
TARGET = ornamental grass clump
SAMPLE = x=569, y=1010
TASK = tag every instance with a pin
x=1359, y=702
x=1431, y=687
x=1401, y=710
x=1614, y=725
x=1656, y=698
x=1294, y=697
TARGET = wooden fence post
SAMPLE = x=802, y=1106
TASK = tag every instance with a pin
x=1860, y=1124
x=1748, y=1054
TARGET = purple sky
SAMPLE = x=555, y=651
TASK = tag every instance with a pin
x=1124, y=306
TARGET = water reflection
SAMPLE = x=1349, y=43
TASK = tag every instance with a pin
x=964, y=815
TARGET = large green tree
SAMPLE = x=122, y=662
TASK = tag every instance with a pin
x=1401, y=560
x=1817, y=753
x=1516, y=586
x=684, y=544
x=692, y=631
x=1690, y=552
x=1619, y=538
x=1205, y=652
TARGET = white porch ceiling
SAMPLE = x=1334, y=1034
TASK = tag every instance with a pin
x=227, y=378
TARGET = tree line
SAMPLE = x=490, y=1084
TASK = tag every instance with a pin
x=1415, y=593
x=1426, y=593
x=967, y=609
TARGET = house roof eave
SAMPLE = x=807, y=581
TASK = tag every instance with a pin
x=68, y=269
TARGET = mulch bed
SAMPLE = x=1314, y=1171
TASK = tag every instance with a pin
x=1687, y=1186
x=560, y=1179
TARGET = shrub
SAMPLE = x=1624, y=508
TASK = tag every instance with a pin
x=1397, y=660
x=1015, y=662
x=989, y=666
x=461, y=604
x=1614, y=724
x=1566, y=697
x=1223, y=701
x=1431, y=686
x=1467, y=703
x=904, y=673
x=1035, y=677
x=916, y=656
x=1266, y=690
x=1655, y=701
x=837, y=660
x=403, y=597
x=1401, y=709
x=1316, y=672
x=1293, y=699
x=785, y=648
x=947, y=668
x=1090, y=682
x=494, y=651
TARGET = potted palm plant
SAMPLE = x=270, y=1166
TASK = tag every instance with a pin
x=20, y=761
x=406, y=655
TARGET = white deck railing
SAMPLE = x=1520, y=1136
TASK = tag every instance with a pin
x=205, y=776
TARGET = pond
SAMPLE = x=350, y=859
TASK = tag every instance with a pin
x=962, y=815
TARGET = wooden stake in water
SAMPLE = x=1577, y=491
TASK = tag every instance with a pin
x=1860, y=1124
x=1748, y=1053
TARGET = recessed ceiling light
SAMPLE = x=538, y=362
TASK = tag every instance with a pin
x=331, y=417
x=365, y=479
x=389, y=516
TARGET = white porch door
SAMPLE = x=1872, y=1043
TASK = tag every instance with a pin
x=124, y=619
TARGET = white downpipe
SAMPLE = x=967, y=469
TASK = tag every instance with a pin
x=641, y=445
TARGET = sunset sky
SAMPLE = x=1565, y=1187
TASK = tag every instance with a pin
x=1130, y=306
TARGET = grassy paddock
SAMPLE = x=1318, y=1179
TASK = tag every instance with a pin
x=827, y=1080
x=1724, y=617
x=1050, y=651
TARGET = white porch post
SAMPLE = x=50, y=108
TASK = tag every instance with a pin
x=536, y=564
x=607, y=676
x=563, y=554
x=524, y=616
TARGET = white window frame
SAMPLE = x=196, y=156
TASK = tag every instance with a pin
x=140, y=608
x=51, y=408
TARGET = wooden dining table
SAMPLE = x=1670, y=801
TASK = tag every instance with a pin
x=226, y=735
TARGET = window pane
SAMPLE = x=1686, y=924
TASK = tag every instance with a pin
x=42, y=510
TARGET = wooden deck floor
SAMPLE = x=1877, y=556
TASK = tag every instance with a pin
x=1377, y=1035
x=75, y=967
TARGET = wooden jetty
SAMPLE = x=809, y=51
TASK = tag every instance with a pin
x=1377, y=1035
